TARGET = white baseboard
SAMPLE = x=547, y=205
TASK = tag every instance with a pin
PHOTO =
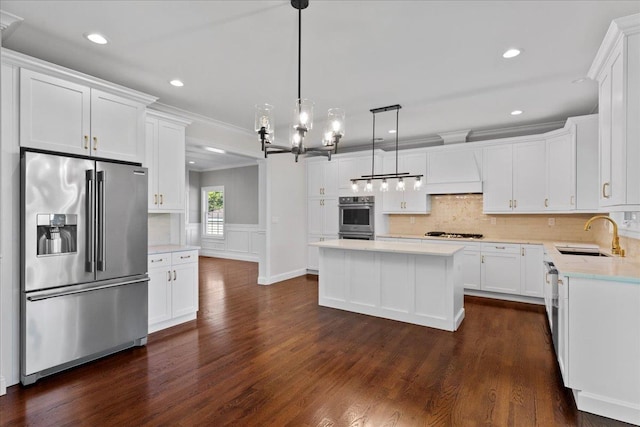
x=3, y=386
x=282, y=276
x=229, y=255
x=504, y=297
x=607, y=407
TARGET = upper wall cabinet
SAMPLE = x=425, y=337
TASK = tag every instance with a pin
x=165, y=146
x=67, y=117
x=617, y=70
x=454, y=170
x=410, y=200
x=322, y=178
x=354, y=167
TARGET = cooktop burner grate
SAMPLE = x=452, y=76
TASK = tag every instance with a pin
x=448, y=235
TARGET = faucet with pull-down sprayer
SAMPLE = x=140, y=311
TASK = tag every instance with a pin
x=615, y=243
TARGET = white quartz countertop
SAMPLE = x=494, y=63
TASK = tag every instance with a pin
x=396, y=247
x=613, y=268
x=162, y=249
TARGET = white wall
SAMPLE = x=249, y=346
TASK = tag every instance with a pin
x=286, y=219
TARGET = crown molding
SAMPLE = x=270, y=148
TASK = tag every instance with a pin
x=35, y=64
x=169, y=117
x=7, y=19
x=513, y=131
x=195, y=117
x=618, y=29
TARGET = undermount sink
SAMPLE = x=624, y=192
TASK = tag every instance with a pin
x=581, y=252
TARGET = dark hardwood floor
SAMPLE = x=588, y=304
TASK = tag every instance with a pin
x=269, y=356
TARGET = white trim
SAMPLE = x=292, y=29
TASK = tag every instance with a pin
x=21, y=60
x=6, y=19
x=281, y=277
x=172, y=322
x=220, y=247
x=618, y=28
x=239, y=256
x=504, y=297
x=202, y=119
x=3, y=386
x=230, y=147
x=178, y=120
x=607, y=407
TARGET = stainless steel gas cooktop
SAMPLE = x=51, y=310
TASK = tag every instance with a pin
x=453, y=235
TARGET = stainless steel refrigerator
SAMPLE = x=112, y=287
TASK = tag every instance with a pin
x=84, y=261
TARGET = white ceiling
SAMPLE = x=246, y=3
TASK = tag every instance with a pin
x=441, y=60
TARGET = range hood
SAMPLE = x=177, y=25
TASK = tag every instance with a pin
x=454, y=171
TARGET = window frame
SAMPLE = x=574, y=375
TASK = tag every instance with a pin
x=204, y=195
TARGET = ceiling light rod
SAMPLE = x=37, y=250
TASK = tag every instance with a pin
x=303, y=116
x=384, y=176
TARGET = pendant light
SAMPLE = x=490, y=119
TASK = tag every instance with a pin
x=302, y=117
x=384, y=177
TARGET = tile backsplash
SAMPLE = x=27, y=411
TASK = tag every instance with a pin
x=462, y=213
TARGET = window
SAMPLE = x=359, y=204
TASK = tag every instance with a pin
x=213, y=211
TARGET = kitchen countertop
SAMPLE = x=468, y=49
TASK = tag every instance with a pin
x=613, y=268
x=397, y=247
x=161, y=249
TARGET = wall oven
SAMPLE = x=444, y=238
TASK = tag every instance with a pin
x=356, y=219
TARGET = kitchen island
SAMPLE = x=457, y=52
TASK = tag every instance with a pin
x=420, y=284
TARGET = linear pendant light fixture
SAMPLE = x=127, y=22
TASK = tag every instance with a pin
x=302, y=117
x=400, y=176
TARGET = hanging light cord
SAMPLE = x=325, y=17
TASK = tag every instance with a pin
x=299, y=52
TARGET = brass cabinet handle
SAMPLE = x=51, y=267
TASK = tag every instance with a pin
x=522, y=251
x=86, y=142
x=546, y=277
x=510, y=203
x=604, y=190
x=482, y=259
x=169, y=274
x=515, y=203
x=560, y=282
x=95, y=143
x=161, y=199
x=185, y=257
x=155, y=199
x=546, y=203
x=572, y=200
x=175, y=275
x=157, y=260
x=500, y=247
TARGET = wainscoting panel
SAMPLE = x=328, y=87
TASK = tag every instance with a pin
x=241, y=241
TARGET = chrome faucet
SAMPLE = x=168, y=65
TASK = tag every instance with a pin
x=615, y=243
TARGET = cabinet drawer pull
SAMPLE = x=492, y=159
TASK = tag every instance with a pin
x=500, y=247
x=155, y=199
x=604, y=190
x=482, y=259
x=546, y=203
x=515, y=203
x=157, y=260
x=86, y=142
x=522, y=251
x=95, y=143
x=572, y=200
x=510, y=203
x=185, y=257
x=175, y=275
x=161, y=198
x=169, y=274
x=560, y=282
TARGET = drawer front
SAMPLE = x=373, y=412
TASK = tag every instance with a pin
x=159, y=260
x=501, y=247
x=184, y=257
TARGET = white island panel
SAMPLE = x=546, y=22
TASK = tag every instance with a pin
x=399, y=281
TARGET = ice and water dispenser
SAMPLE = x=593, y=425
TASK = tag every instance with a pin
x=57, y=234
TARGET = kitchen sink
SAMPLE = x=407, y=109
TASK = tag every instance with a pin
x=582, y=252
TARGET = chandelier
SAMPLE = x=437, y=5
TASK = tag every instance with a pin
x=384, y=177
x=302, y=117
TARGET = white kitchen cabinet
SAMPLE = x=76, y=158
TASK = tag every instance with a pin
x=471, y=268
x=323, y=216
x=562, y=352
x=617, y=70
x=561, y=172
x=409, y=200
x=500, y=268
x=313, y=251
x=173, y=288
x=532, y=270
x=514, y=177
x=66, y=117
x=354, y=167
x=322, y=178
x=165, y=140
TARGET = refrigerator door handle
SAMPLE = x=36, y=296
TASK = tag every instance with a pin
x=101, y=216
x=80, y=291
x=90, y=235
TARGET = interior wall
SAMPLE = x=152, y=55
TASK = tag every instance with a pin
x=286, y=219
x=241, y=205
x=194, y=197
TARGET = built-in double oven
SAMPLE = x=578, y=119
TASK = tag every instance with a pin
x=357, y=217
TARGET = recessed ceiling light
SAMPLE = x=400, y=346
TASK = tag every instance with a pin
x=214, y=150
x=511, y=53
x=516, y=112
x=392, y=131
x=191, y=162
x=176, y=83
x=96, y=38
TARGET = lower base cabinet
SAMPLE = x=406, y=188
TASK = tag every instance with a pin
x=500, y=268
x=173, y=288
x=313, y=251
